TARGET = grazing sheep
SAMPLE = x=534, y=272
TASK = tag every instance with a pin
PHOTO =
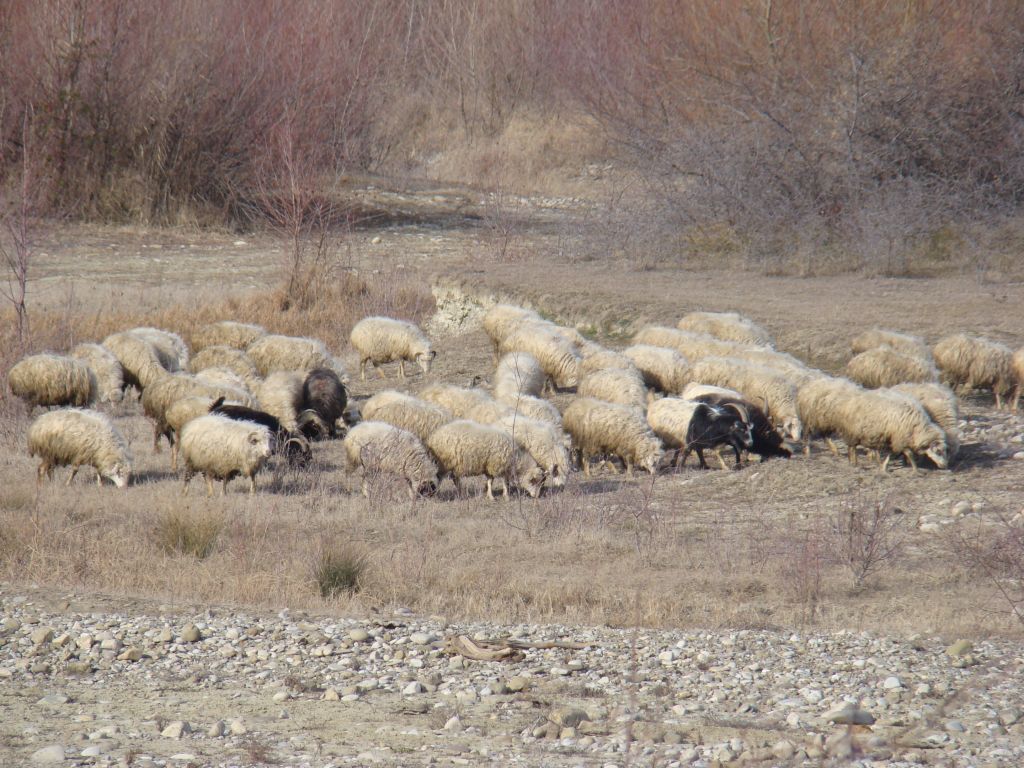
x=501, y=319
x=692, y=346
x=180, y=413
x=220, y=449
x=663, y=369
x=170, y=347
x=52, y=380
x=518, y=373
x=615, y=385
x=941, y=405
x=380, y=340
x=161, y=394
x=292, y=353
x=323, y=393
x=672, y=420
x=901, y=342
x=728, y=326
x=757, y=384
x=886, y=367
x=970, y=363
x=534, y=408
x=106, y=368
x=280, y=395
x=488, y=412
x=223, y=377
x=293, y=446
x=75, y=437
x=795, y=370
x=406, y=412
x=767, y=441
x=557, y=355
x=1018, y=372
x=818, y=404
x=459, y=401
x=544, y=442
x=465, y=448
x=890, y=423
x=140, y=363
x=604, y=359
x=218, y=356
x=599, y=428
x=695, y=391
x=226, y=333
x=379, y=447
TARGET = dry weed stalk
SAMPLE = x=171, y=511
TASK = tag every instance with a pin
x=868, y=535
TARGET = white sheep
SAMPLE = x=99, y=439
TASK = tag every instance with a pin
x=556, y=354
x=970, y=363
x=219, y=356
x=379, y=447
x=161, y=394
x=765, y=387
x=75, y=437
x=226, y=333
x=280, y=395
x=693, y=390
x=140, y=363
x=170, y=347
x=223, y=377
x=47, y=380
x=380, y=340
x=465, y=448
x=598, y=358
x=885, y=367
x=406, y=412
x=518, y=373
x=795, y=370
x=663, y=369
x=459, y=401
x=818, y=403
x=501, y=319
x=615, y=385
x=220, y=448
x=940, y=403
x=599, y=428
x=533, y=408
x=106, y=368
x=1018, y=372
x=693, y=346
x=728, y=326
x=180, y=413
x=890, y=423
x=543, y=441
x=901, y=342
x=292, y=353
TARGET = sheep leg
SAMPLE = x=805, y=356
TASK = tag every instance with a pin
x=362, y=370
x=99, y=479
x=629, y=468
x=209, y=486
x=380, y=371
x=174, y=457
x=44, y=469
x=365, y=487
x=156, y=439
x=401, y=368
x=585, y=463
x=74, y=471
x=490, y=488
x=252, y=484
x=504, y=490
x=718, y=455
x=686, y=455
x=910, y=458
x=999, y=403
x=1016, y=396
x=831, y=446
x=851, y=452
x=700, y=458
x=736, y=450
x=885, y=464
x=807, y=447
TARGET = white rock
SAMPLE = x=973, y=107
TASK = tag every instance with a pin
x=892, y=683
x=51, y=754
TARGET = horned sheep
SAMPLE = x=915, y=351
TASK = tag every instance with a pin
x=379, y=447
x=180, y=413
x=755, y=383
x=293, y=446
x=465, y=448
x=105, y=367
x=226, y=333
x=159, y=396
x=673, y=420
x=767, y=442
x=273, y=353
x=78, y=437
x=558, y=356
x=969, y=362
x=885, y=367
x=545, y=442
x=382, y=340
x=220, y=449
x=901, y=342
x=615, y=385
x=941, y=405
x=662, y=368
x=47, y=380
x=598, y=428
x=728, y=326
x=323, y=393
x=406, y=412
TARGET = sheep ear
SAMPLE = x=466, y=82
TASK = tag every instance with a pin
x=433, y=354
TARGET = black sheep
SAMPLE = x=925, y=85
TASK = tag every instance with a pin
x=324, y=394
x=767, y=441
x=711, y=426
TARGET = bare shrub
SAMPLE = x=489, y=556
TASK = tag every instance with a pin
x=803, y=560
x=867, y=535
x=994, y=549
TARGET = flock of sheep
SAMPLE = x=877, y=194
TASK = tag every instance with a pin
x=715, y=381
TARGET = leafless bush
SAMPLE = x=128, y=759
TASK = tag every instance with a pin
x=867, y=535
x=994, y=549
x=804, y=559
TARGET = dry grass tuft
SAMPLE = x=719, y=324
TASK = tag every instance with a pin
x=189, y=532
x=340, y=569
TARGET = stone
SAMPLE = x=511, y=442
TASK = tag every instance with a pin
x=892, y=683
x=331, y=694
x=783, y=750
x=453, y=724
x=839, y=745
x=413, y=688
x=960, y=648
x=421, y=638
x=51, y=754
x=849, y=714
x=54, y=699
x=176, y=729
x=568, y=717
x=961, y=508
x=281, y=696
x=165, y=636
x=216, y=730
x=40, y=636
x=191, y=634
x=517, y=684
x=358, y=635
x=237, y=728
x=130, y=654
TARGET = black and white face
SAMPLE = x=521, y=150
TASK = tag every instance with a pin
x=740, y=432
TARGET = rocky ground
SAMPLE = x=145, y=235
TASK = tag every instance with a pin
x=102, y=681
